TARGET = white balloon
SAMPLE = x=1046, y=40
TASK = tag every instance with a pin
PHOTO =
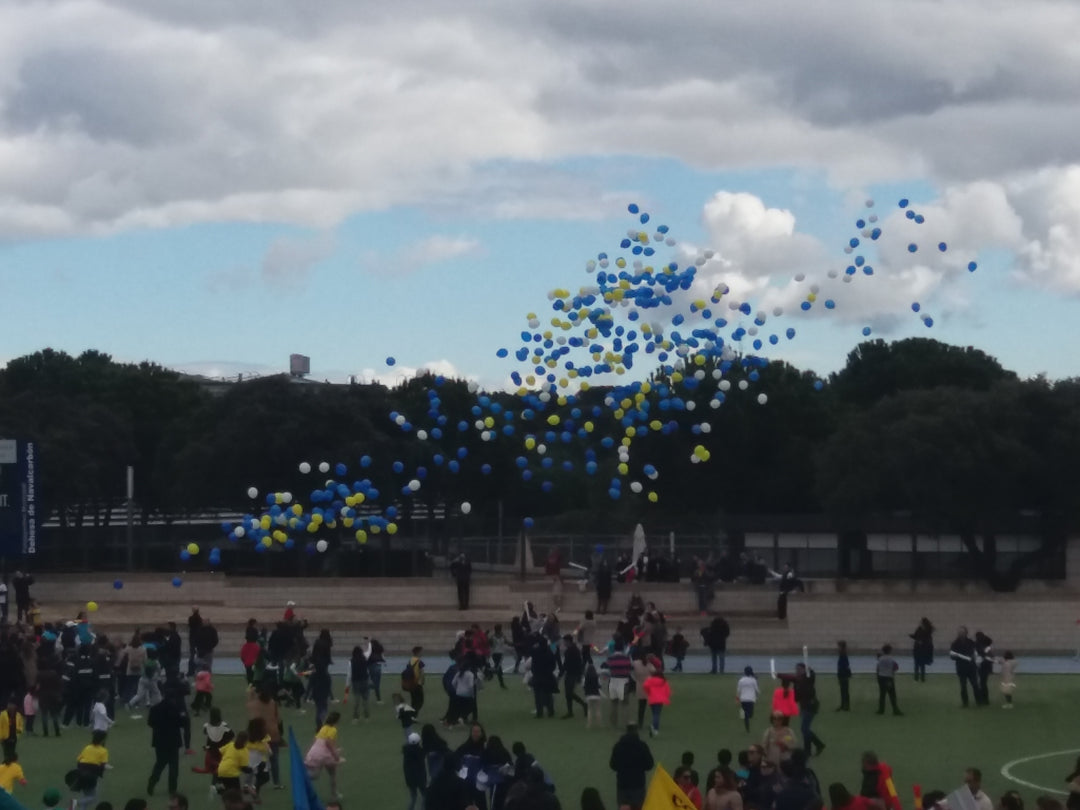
x=324, y=467
x=762, y=399
x=752, y=331
x=398, y=420
x=486, y=436
x=690, y=405
x=724, y=385
x=743, y=385
x=706, y=427
x=635, y=486
x=832, y=274
x=252, y=492
x=699, y=374
x=466, y=507
x=814, y=288
x=800, y=276
x=479, y=424
x=715, y=403
x=305, y=468
x=778, y=311
x=473, y=386
x=286, y=497
x=541, y=449
x=869, y=203
x=694, y=459
x=847, y=278
x=873, y=217
x=239, y=531
x=421, y=435
x=717, y=374
x=321, y=546
x=414, y=485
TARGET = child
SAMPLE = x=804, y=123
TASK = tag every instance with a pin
x=249, y=656
x=30, y=708
x=324, y=753
x=90, y=766
x=234, y=763
x=1008, y=677
x=658, y=694
x=593, y=698
x=679, y=645
x=404, y=712
x=217, y=734
x=746, y=693
x=499, y=647
x=33, y=617
x=259, y=754
x=682, y=779
x=688, y=763
x=415, y=767
x=204, y=691
x=11, y=727
x=783, y=700
x=10, y=773
x=99, y=715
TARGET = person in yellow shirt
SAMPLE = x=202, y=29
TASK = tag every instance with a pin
x=10, y=773
x=90, y=766
x=324, y=752
x=11, y=728
x=259, y=748
x=235, y=762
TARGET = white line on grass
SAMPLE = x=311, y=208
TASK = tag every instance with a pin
x=1006, y=770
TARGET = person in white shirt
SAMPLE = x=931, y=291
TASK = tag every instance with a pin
x=973, y=780
x=99, y=715
x=746, y=693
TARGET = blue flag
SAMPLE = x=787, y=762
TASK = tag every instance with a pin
x=303, y=792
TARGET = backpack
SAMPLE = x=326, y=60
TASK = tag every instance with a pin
x=408, y=678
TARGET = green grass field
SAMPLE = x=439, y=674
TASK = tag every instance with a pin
x=931, y=745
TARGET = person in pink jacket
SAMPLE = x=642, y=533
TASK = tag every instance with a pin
x=658, y=692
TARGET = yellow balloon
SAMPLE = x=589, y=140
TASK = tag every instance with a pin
x=361, y=536
x=530, y=443
x=624, y=469
x=375, y=529
x=264, y=522
x=359, y=498
x=312, y=527
x=297, y=509
x=391, y=528
x=267, y=542
x=277, y=497
x=553, y=419
x=347, y=522
x=193, y=548
x=653, y=497
x=699, y=359
x=588, y=425
x=91, y=607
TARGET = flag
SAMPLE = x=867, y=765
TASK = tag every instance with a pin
x=664, y=794
x=303, y=792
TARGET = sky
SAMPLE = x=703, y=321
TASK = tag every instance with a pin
x=215, y=186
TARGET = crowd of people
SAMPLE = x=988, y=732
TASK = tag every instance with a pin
x=75, y=678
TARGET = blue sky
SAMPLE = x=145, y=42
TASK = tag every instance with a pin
x=217, y=225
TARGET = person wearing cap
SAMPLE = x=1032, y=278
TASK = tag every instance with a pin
x=415, y=769
x=290, y=614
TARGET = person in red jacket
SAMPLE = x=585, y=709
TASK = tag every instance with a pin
x=878, y=783
x=249, y=654
x=685, y=782
x=658, y=692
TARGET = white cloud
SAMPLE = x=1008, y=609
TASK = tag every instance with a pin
x=439, y=248
x=194, y=112
x=289, y=260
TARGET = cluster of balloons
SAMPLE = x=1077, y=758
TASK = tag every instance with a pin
x=644, y=303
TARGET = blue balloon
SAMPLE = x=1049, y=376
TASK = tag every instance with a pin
x=485, y=469
x=390, y=361
x=805, y=305
x=117, y=584
x=632, y=208
x=915, y=307
x=912, y=248
x=942, y=247
x=866, y=331
x=528, y=523
x=365, y=461
x=818, y=385
x=398, y=467
x=830, y=304
x=501, y=353
x=928, y=321
x=185, y=555
x=972, y=267
x=904, y=203
x=177, y=582
x=790, y=333
x=340, y=469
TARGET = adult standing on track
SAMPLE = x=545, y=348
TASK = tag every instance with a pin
x=962, y=652
x=715, y=637
x=984, y=661
x=603, y=586
x=923, y=648
x=22, y=583
x=194, y=623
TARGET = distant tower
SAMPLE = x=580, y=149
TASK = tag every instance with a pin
x=299, y=365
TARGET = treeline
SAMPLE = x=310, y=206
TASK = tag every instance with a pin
x=941, y=433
